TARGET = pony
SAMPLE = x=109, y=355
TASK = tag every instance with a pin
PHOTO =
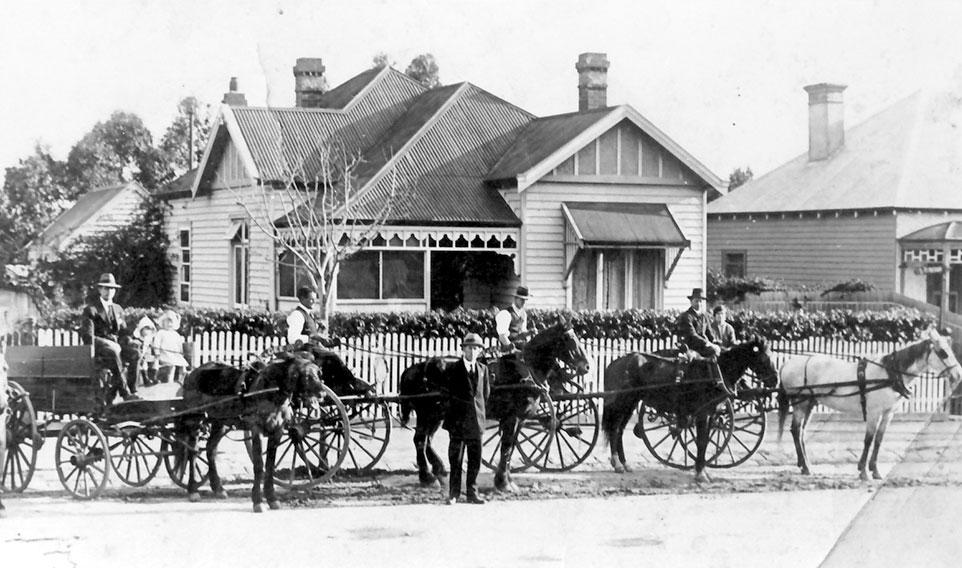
x=671, y=385
x=287, y=378
x=540, y=368
x=870, y=387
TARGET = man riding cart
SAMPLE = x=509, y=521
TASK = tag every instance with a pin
x=102, y=325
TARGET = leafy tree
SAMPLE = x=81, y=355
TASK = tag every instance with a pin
x=135, y=253
x=114, y=151
x=34, y=193
x=184, y=141
x=424, y=70
x=739, y=177
x=381, y=60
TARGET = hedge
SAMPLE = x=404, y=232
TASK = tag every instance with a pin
x=885, y=325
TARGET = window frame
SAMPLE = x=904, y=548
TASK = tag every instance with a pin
x=240, y=244
x=726, y=264
x=188, y=264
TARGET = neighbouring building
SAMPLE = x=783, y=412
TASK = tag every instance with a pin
x=880, y=202
x=594, y=209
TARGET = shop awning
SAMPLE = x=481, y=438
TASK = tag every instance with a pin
x=934, y=236
x=620, y=225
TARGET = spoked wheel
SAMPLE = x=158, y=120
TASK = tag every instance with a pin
x=23, y=440
x=671, y=438
x=176, y=460
x=747, y=433
x=370, y=434
x=575, y=436
x=314, y=445
x=535, y=434
x=83, y=459
x=135, y=454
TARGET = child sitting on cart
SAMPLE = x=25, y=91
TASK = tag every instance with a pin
x=144, y=336
x=169, y=345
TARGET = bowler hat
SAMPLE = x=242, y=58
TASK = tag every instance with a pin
x=107, y=280
x=521, y=292
x=696, y=294
x=472, y=340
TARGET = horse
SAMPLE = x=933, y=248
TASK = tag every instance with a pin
x=3, y=419
x=541, y=368
x=292, y=376
x=670, y=384
x=870, y=387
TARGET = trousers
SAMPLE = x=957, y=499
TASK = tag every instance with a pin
x=456, y=451
x=113, y=356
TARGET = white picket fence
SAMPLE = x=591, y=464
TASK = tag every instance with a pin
x=381, y=358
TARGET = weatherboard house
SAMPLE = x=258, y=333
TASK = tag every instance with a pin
x=880, y=202
x=594, y=209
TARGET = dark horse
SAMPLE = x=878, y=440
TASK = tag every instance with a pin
x=657, y=379
x=257, y=398
x=542, y=359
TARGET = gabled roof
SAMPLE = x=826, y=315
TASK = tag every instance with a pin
x=908, y=156
x=548, y=141
x=87, y=206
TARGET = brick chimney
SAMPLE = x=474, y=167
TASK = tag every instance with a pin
x=592, y=81
x=232, y=97
x=826, y=120
x=309, y=81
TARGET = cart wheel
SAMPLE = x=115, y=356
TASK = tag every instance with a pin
x=23, y=440
x=671, y=438
x=176, y=461
x=575, y=436
x=83, y=459
x=534, y=436
x=314, y=445
x=370, y=434
x=135, y=455
x=747, y=433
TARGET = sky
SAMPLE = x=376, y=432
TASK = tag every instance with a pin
x=723, y=79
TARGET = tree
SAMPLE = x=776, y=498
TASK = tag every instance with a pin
x=184, y=140
x=115, y=151
x=34, y=193
x=135, y=253
x=322, y=219
x=739, y=177
x=381, y=60
x=424, y=70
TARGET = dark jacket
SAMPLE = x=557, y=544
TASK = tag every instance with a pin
x=464, y=417
x=693, y=330
x=95, y=321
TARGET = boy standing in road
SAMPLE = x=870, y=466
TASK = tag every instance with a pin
x=467, y=390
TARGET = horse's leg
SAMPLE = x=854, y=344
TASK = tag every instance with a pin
x=437, y=464
x=421, y=445
x=217, y=432
x=273, y=440
x=502, y=477
x=879, y=434
x=621, y=436
x=257, y=460
x=702, y=432
x=193, y=484
x=616, y=442
x=799, y=421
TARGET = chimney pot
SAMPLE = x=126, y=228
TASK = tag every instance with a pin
x=826, y=120
x=309, y=81
x=232, y=97
x=592, y=81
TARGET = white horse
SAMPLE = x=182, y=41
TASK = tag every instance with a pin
x=869, y=387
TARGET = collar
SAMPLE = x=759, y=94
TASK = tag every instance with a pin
x=105, y=304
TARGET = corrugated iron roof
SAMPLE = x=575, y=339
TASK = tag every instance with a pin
x=340, y=96
x=86, y=206
x=613, y=224
x=905, y=157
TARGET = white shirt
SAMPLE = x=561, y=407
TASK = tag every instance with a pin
x=502, y=321
x=470, y=366
x=295, y=324
x=170, y=348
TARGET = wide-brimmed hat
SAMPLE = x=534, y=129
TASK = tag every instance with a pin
x=472, y=340
x=169, y=315
x=522, y=292
x=696, y=294
x=107, y=280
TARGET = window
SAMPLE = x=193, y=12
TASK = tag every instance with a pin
x=615, y=279
x=734, y=264
x=291, y=275
x=184, y=265
x=381, y=275
x=240, y=262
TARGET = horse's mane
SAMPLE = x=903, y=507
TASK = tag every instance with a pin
x=904, y=357
x=545, y=339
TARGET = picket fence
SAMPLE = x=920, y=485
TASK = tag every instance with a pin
x=381, y=358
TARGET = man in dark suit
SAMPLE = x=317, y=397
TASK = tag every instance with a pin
x=467, y=389
x=102, y=325
x=694, y=331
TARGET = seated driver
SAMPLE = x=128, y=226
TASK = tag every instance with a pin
x=302, y=328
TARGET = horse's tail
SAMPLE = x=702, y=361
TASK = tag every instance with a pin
x=783, y=407
x=613, y=414
x=407, y=379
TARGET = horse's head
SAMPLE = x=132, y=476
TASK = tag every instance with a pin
x=562, y=344
x=941, y=359
x=294, y=374
x=753, y=355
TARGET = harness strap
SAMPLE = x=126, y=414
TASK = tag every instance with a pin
x=860, y=376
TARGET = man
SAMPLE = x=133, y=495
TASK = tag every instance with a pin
x=467, y=388
x=693, y=330
x=102, y=325
x=301, y=325
x=721, y=330
x=511, y=323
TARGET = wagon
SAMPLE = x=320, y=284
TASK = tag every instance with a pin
x=58, y=392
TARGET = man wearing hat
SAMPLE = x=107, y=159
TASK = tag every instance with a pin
x=102, y=325
x=466, y=389
x=693, y=327
x=511, y=323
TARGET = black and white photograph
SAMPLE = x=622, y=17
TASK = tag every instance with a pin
x=481, y=283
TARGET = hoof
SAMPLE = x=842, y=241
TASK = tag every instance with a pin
x=617, y=466
x=876, y=474
x=258, y=508
x=628, y=468
x=430, y=483
x=193, y=497
x=222, y=494
x=702, y=477
x=274, y=505
x=863, y=476
x=806, y=471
